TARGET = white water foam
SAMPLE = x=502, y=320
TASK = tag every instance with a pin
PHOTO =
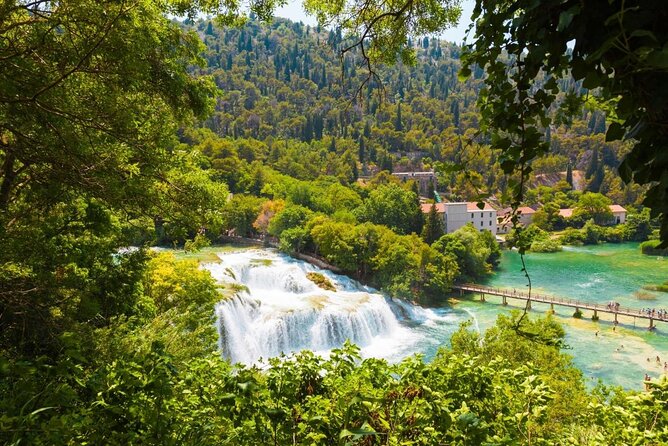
x=283, y=312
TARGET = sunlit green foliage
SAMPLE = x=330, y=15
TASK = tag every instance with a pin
x=404, y=266
x=476, y=252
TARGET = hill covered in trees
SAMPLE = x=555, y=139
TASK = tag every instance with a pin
x=290, y=100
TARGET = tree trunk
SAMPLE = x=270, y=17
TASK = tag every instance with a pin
x=8, y=175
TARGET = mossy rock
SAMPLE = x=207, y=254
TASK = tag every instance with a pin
x=577, y=314
x=320, y=280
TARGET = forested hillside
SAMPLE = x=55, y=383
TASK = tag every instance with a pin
x=288, y=99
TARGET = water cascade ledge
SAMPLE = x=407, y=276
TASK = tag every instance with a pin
x=283, y=312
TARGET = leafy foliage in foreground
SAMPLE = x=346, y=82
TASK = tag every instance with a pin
x=159, y=382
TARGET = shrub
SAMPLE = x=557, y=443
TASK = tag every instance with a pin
x=545, y=245
x=572, y=237
x=651, y=247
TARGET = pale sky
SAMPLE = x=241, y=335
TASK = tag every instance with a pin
x=293, y=11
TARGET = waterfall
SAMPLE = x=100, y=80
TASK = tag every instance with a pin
x=283, y=311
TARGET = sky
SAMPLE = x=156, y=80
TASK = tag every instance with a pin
x=293, y=11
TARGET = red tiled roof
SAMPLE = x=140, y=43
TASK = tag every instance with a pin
x=440, y=207
x=473, y=206
x=566, y=213
x=426, y=207
x=526, y=210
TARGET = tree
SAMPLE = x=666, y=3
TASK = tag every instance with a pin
x=267, y=212
x=639, y=226
x=433, y=227
x=392, y=206
x=594, y=206
x=361, y=151
x=292, y=216
x=398, y=124
x=383, y=29
x=476, y=252
x=535, y=36
x=593, y=164
x=89, y=108
x=569, y=175
x=240, y=213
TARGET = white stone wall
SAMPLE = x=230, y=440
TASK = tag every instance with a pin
x=456, y=216
x=618, y=217
x=483, y=219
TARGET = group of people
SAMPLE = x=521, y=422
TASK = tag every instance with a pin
x=653, y=312
x=612, y=305
x=658, y=361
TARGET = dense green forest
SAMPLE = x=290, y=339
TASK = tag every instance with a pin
x=121, y=127
x=287, y=96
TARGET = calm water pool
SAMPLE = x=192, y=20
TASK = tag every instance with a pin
x=593, y=274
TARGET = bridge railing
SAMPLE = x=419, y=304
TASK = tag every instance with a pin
x=541, y=298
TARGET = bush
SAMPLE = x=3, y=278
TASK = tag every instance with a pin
x=294, y=240
x=545, y=245
x=200, y=241
x=651, y=247
x=572, y=237
x=616, y=234
x=592, y=233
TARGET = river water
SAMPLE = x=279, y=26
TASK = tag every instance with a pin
x=283, y=311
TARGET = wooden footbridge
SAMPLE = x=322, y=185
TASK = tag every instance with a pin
x=506, y=294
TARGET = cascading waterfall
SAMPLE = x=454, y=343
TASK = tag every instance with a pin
x=283, y=311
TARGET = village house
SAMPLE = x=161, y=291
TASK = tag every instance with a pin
x=456, y=215
x=425, y=180
x=525, y=218
x=618, y=214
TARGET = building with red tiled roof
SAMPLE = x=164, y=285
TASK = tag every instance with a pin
x=618, y=214
x=427, y=182
x=566, y=213
x=525, y=218
x=456, y=215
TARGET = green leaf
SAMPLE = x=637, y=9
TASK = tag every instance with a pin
x=357, y=433
x=615, y=132
x=658, y=59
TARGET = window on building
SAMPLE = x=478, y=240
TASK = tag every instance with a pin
x=490, y=222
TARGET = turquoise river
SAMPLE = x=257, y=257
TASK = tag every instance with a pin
x=602, y=273
x=282, y=311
